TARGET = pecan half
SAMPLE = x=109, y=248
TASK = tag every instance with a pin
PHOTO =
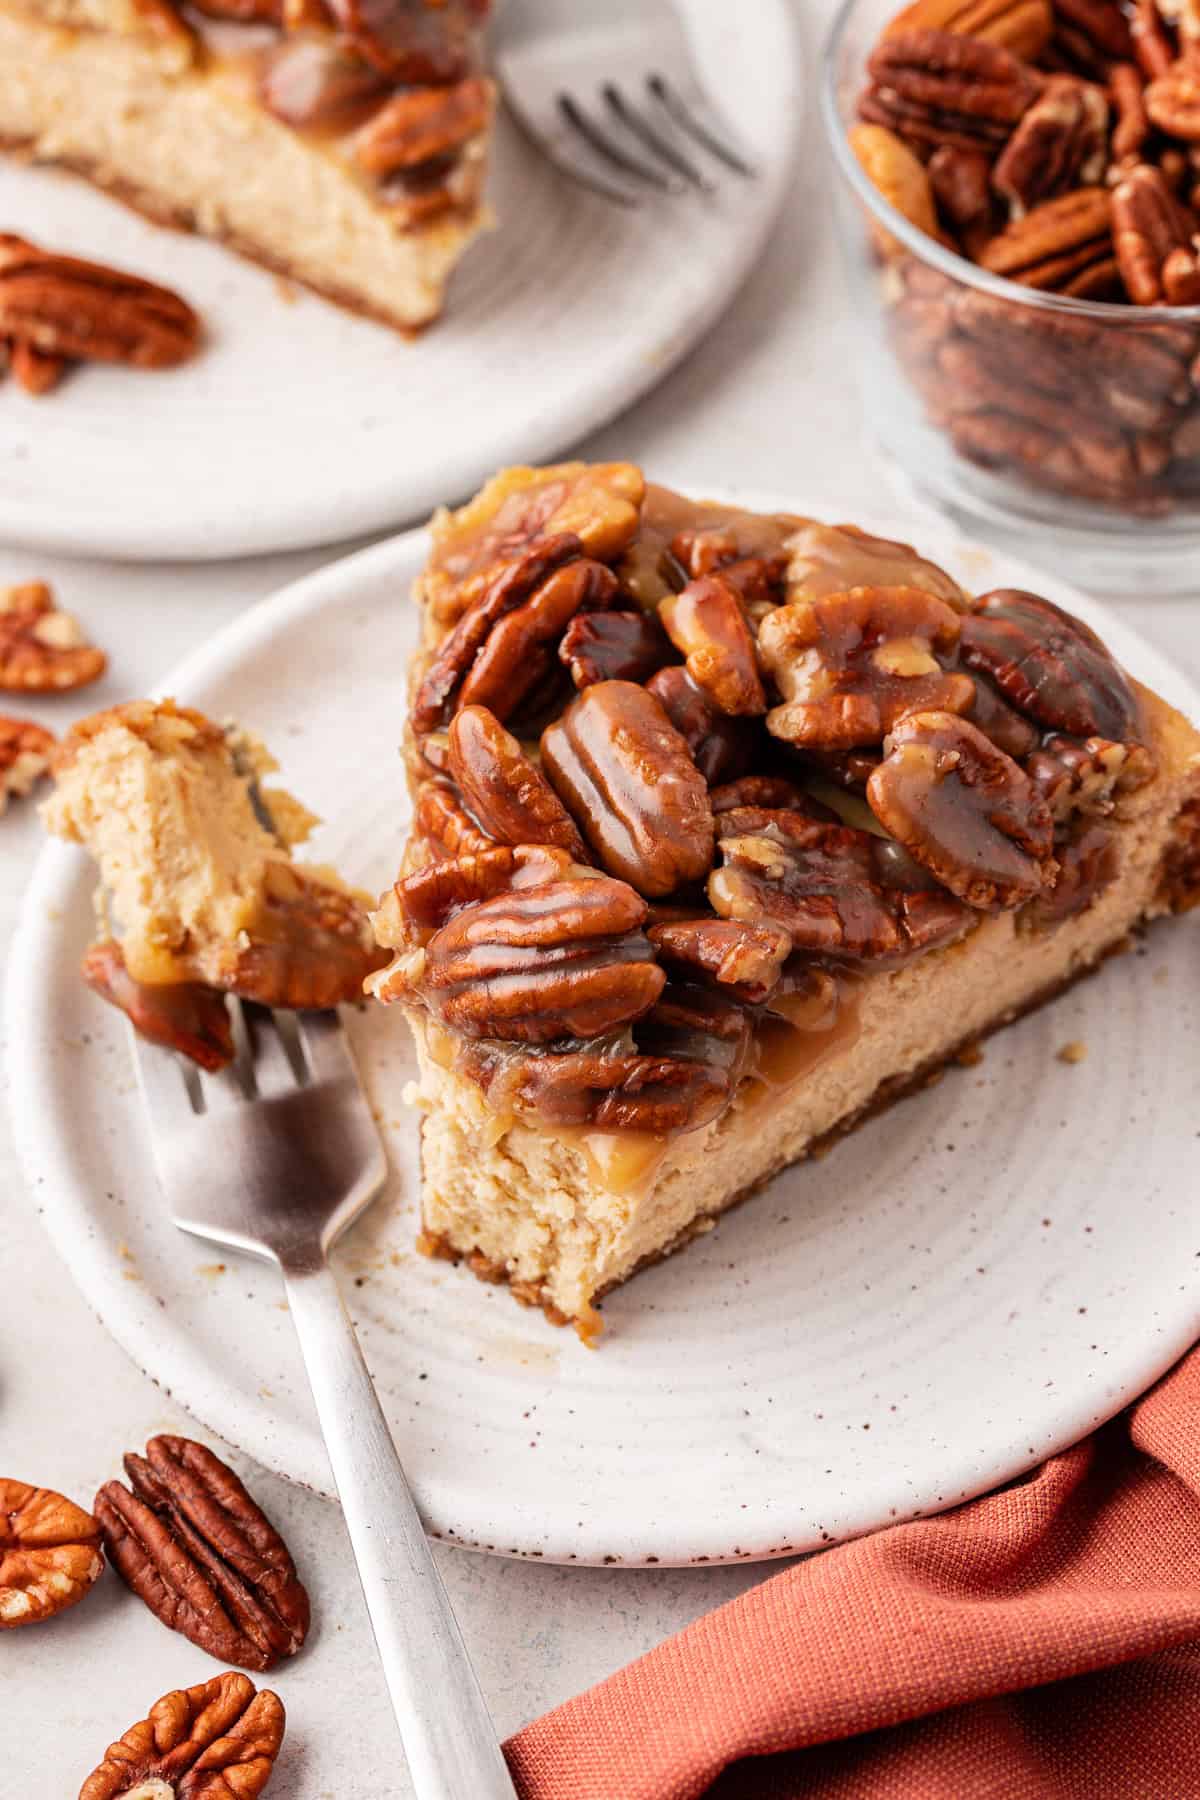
x=42, y=649
x=1022, y=26
x=1087, y=777
x=49, y=1553
x=1157, y=241
x=897, y=173
x=440, y=818
x=1127, y=91
x=66, y=307
x=1153, y=46
x=25, y=749
x=640, y=1092
x=215, y=1741
x=746, y=959
x=511, y=798
x=419, y=124
x=721, y=746
x=312, y=82
x=1090, y=35
x=831, y=559
x=961, y=182
x=1173, y=101
x=1051, y=666
x=410, y=41
x=614, y=646
x=310, y=948
x=187, y=1016
x=517, y=512
x=1058, y=245
x=421, y=903
x=510, y=661
x=567, y=958
x=1060, y=144
x=1008, y=729
x=936, y=87
x=706, y=624
x=204, y=1558
x=627, y=777
x=964, y=810
x=1088, y=863
x=849, y=665
x=772, y=791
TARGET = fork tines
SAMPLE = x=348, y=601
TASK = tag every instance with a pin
x=654, y=137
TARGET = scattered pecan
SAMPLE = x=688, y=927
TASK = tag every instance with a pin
x=614, y=646
x=516, y=513
x=418, y=124
x=187, y=1016
x=509, y=796
x=898, y=174
x=706, y=624
x=42, y=649
x=640, y=1092
x=831, y=559
x=432, y=894
x=1087, y=777
x=746, y=959
x=440, y=818
x=627, y=777
x=852, y=663
x=1127, y=91
x=312, y=82
x=964, y=810
x=215, y=1741
x=25, y=749
x=1050, y=665
x=1058, y=244
x=65, y=307
x=1060, y=144
x=49, y=1553
x=1172, y=101
x=1022, y=26
x=507, y=664
x=509, y=588
x=935, y=87
x=1157, y=241
x=204, y=1558
x=721, y=746
x=567, y=958
x=1088, y=862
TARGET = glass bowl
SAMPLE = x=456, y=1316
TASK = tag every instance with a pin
x=1023, y=414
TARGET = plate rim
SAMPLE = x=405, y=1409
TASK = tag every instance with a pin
x=44, y=1162
x=560, y=425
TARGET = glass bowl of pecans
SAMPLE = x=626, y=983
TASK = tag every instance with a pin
x=1020, y=211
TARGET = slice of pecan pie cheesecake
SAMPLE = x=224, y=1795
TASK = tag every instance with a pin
x=340, y=142
x=728, y=829
x=199, y=895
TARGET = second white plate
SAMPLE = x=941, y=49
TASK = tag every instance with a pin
x=302, y=425
x=967, y=1284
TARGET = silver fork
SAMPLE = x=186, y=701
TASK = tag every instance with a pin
x=609, y=94
x=274, y=1158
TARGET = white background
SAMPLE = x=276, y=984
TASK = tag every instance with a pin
x=766, y=402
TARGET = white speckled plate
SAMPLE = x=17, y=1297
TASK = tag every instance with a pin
x=303, y=425
x=965, y=1285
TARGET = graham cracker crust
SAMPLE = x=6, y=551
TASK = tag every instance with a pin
x=589, y=1326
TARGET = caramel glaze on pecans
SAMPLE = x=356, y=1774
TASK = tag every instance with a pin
x=834, y=761
x=1055, y=143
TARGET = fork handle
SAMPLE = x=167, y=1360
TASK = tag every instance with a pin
x=448, y=1737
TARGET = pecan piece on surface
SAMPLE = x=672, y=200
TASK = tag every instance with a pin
x=1022, y=26
x=215, y=1741
x=1057, y=245
x=627, y=777
x=519, y=646
x=1157, y=241
x=515, y=513
x=850, y=664
x=509, y=796
x=964, y=810
x=440, y=818
x=25, y=750
x=721, y=746
x=1050, y=665
x=614, y=646
x=567, y=958
x=1173, y=100
x=706, y=624
x=66, y=307
x=187, y=1016
x=49, y=1553
x=421, y=903
x=1087, y=777
x=205, y=1559
x=310, y=81
x=935, y=87
x=747, y=959
x=418, y=124
x=1060, y=144
x=42, y=649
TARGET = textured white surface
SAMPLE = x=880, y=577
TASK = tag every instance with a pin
x=301, y=424
x=768, y=395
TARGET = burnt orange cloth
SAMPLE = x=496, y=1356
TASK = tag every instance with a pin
x=1041, y=1643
